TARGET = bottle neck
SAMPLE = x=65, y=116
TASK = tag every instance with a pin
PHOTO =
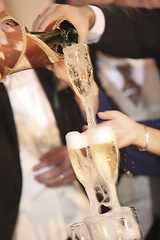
x=54, y=37
x=58, y=38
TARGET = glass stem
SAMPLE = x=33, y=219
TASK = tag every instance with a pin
x=113, y=196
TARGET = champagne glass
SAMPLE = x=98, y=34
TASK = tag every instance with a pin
x=80, y=72
x=95, y=160
x=79, y=231
x=122, y=225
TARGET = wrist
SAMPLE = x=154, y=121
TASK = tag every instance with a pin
x=90, y=15
x=143, y=138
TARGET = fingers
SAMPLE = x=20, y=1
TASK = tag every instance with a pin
x=60, y=71
x=56, y=177
x=56, y=155
x=3, y=39
x=60, y=172
x=109, y=115
x=41, y=24
x=79, y=18
x=48, y=17
x=4, y=28
x=36, y=26
x=42, y=165
x=84, y=128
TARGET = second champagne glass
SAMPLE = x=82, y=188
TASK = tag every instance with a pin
x=121, y=225
x=79, y=231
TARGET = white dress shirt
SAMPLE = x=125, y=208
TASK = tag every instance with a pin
x=99, y=26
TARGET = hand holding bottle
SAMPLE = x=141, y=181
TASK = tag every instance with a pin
x=81, y=17
x=18, y=47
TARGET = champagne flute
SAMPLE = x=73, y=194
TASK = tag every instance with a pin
x=80, y=72
x=95, y=159
x=121, y=225
x=79, y=231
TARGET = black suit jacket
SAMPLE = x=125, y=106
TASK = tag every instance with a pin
x=133, y=33
x=68, y=119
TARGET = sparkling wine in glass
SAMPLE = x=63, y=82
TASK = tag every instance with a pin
x=80, y=72
x=95, y=160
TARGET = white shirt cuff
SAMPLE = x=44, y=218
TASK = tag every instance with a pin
x=97, y=30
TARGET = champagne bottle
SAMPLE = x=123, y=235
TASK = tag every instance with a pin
x=64, y=35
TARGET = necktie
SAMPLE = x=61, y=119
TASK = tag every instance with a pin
x=131, y=88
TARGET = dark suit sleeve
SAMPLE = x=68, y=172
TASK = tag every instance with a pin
x=104, y=104
x=130, y=32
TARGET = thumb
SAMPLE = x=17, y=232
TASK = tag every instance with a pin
x=107, y=115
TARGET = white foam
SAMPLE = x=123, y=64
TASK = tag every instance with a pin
x=96, y=135
x=101, y=134
x=76, y=140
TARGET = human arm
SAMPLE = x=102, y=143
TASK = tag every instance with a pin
x=57, y=157
x=129, y=32
x=4, y=28
x=129, y=132
x=79, y=16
